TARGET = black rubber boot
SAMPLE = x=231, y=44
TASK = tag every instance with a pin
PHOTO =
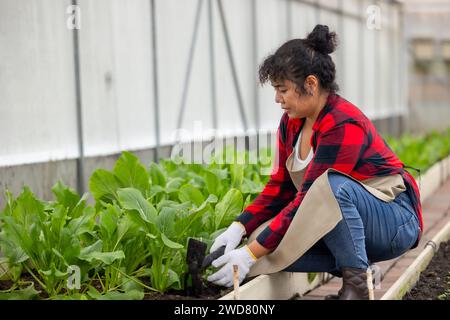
x=334, y=296
x=354, y=284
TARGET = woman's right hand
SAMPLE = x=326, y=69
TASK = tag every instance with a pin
x=230, y=238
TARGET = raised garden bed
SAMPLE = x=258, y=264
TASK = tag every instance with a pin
x=434, y=281
x=412, y=274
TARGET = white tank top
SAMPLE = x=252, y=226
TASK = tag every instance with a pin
x=299, y=164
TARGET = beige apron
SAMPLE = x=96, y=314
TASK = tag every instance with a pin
x=317, y=215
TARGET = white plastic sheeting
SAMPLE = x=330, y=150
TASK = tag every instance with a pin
x=37, y=96
x=37, y=77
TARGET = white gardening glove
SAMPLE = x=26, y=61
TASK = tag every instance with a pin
x=230, y=238
x=241, y=257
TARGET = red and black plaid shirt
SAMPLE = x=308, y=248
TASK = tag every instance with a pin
x=344, y=139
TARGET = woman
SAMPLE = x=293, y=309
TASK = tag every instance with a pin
x=338, y=197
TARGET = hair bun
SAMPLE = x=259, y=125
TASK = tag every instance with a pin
x=322, y=40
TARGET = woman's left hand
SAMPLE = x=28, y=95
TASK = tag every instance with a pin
x=241, y=257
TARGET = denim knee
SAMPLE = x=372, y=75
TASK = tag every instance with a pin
x=338, y=181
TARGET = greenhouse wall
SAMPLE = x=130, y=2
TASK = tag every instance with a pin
x=137, y=75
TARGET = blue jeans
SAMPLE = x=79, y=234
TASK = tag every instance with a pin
x=371, y=230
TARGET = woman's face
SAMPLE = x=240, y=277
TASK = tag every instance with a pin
x=295, y=104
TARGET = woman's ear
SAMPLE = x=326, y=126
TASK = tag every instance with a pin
x=311, y=84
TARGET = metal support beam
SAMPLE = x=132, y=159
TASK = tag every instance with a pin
x=155, y=78
x=79, y=111
x=212, y=63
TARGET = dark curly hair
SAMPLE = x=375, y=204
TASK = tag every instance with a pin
x=296, y=59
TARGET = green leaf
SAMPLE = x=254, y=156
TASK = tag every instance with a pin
x=18, y=235
x=311, y=276
x=212, y=198
x=12, y=251
x=130, y=283
x=54, y=272
x=95, y=247
x=103, y=185
x=228, y=208
x=74, y=296
x=170, y=243
x=132, y=199
x=217, y=233
x=27, y=293
x=180, y=207
x=28, y=208
x=221, y=173
x=196, y=181
x=82, y=224
x=126, y=226
x=189, y=193
x=173, y=280
x=212, y=182
x=155, y=191
x=166, y=220
x=60, y=255
x=168, y=165
x=65, y=195
x=248, y=201
x=131, y=173
x=237, y=175
x=174, y=185
x=105, y=257
x=116, y=295
x=108, y=221
x=156, y=175
x=10, y=204
x=249, y=186
x=77, y=211
x=58, y=219
x=182, y=225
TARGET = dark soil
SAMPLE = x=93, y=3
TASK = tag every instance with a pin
x=434, y=281
x=25, y=277
x=5, y=284
x=209, y=291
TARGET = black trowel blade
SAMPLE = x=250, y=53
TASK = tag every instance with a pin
x=195, y=254
x=194, y=257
